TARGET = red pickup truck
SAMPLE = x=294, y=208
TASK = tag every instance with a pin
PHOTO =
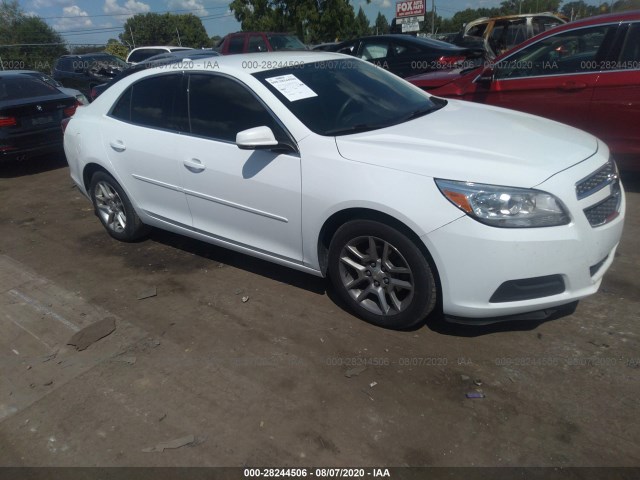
x=247, y=42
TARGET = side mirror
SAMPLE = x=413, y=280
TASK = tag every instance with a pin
x=257, y=138
x=486, y=76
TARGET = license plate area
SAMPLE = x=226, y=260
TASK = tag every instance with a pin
x=41, y=120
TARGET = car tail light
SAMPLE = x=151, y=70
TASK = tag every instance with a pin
x=8, y=121
x=64, y=123
x=69, y=111
x=451, y=60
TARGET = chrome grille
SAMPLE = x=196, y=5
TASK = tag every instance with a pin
x=606, y=210
x=605, y=175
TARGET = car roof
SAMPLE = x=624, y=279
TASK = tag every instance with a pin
x=258, y=62
x=514, y=17
x=161, y=46
x=265, y=33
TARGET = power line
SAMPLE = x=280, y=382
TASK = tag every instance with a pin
x=131, y=12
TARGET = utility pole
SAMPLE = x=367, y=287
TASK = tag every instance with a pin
x=433, y=17
x=179, y=42
x=133, y=40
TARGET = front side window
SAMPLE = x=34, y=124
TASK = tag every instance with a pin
x=575, y=51
x=154, y=102
x=220, y=107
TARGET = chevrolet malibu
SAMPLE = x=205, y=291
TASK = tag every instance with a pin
x=332, y=166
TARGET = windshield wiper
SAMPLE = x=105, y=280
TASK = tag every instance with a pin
x=361, y=127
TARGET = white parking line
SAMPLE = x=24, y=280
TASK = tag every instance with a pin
x=43, y=309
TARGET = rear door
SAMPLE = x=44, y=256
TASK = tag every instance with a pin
x=142, y=136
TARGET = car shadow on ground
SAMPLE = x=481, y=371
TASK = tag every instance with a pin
x=322, y=286
x=241, y=261
x=32, y=166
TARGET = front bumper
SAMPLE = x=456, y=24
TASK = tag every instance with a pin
x=487, y=272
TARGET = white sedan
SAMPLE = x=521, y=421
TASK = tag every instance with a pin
x=329, y=165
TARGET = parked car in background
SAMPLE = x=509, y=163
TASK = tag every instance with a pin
x=72, y=92
x=323, y=47
x=140, y=54
x=167, y=58
x=406, y=55
x=585, y=73
x=499, y=34
x=30, y=114
x=251, y=42
x=83, y=72
x=338, y=168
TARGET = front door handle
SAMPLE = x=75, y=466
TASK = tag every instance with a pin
x=194, y=165
x=569, y=86
x=117, y=145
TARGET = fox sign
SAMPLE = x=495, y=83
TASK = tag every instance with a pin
x=410, y=8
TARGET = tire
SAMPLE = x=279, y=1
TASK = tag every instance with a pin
x=113, y=208
x=393, y=287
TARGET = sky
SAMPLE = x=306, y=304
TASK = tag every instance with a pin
x=95, y=21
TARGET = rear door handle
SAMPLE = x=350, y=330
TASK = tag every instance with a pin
x=194, y=165
x=117, y=145
x=568, y=86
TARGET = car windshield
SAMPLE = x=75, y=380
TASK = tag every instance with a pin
x=340, y=97
x=285, y=42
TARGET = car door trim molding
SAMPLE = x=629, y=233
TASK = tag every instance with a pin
x=158, y=183
x=220, y=201
x=242, y=246
x=237, y=206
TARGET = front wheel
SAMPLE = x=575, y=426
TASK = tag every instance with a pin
x=381, y=274
x=113, y=208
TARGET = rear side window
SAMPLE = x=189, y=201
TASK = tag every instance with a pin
x=140, y=55
x=155, y=102
x=375, y=49
x=236, y=44
x=257, y=44
x=220, y=108
x=23, y=86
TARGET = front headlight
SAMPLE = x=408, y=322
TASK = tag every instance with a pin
x=505, y=206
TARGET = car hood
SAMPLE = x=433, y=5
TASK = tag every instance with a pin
x=472, y=142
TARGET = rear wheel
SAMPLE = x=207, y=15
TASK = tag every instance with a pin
x=113, y=208
x=381, y=274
